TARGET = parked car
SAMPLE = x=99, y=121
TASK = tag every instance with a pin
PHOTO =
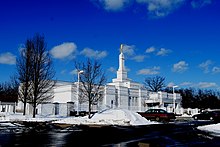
x=207, y=115
x=158, y=115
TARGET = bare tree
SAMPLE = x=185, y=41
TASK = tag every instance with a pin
x=36, y=72
x=43, y=73
x=92, y=82
x=24, y=71
x=155, y=83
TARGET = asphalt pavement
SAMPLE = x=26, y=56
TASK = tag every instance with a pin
x=181, y=132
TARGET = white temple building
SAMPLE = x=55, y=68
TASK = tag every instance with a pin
x=122, y=92
x=127, y=94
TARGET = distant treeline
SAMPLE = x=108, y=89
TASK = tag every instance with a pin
x=8, y=92
x=199, y=98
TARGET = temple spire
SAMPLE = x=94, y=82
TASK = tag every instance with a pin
x=121, y=59
x=121, y=73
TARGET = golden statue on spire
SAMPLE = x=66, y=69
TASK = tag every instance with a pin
x=121, y=48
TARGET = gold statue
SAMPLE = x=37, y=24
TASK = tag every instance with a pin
x=121, y=48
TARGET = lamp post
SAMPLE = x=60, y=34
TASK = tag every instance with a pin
x=77, y=95
x=174, y=98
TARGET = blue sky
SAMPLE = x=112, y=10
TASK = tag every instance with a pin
x=176, y=39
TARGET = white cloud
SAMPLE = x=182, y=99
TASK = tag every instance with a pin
x=199, y=85
x=155, y=8
x=127, y=69
x=65, y=50
x=205, y=66
x=186, y=84
x=149, y=71
x=139, y=58
x=161, y=8
x=150, y=49
x=112, y=69
x=163, y=52
x=207, y=85
x=171, y=84
x=200, y=3
x=180, y=67
x=88, y=52
x=7, y=58
x=73, y=72
x=128, y=50
x=114, y=5
x=63, y=72
x=216, y=70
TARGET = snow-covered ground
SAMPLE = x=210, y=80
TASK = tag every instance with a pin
x=119, y=117
x=213, y=129
x=19, y=117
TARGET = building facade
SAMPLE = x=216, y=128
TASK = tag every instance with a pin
x=127, y=94
x=122, y=92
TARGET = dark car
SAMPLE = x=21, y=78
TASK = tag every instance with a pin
x=207, y=115
x=158, y=115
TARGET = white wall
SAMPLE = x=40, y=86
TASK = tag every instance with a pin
x=62, y=93
x=7, y=107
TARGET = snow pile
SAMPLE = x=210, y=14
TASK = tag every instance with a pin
x=109, y=117
x=214, y=129
x=120, y=117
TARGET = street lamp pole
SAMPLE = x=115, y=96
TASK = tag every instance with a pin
x=77, y=95
x=174, y=98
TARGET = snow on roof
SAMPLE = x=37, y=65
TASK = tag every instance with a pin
x=120, y=117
